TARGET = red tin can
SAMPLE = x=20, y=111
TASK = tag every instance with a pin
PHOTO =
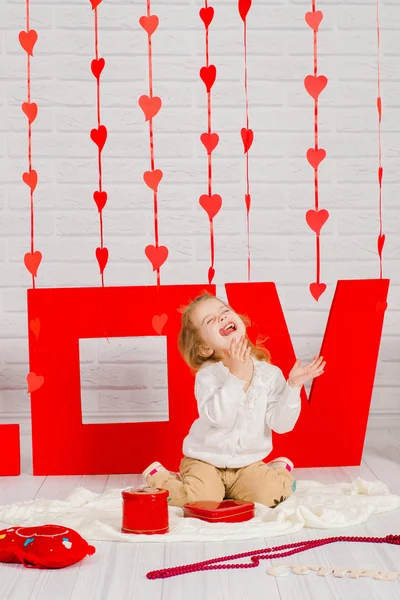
x=227, y=511
x=145, y=510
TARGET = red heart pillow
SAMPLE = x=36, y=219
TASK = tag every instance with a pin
x=43, y=547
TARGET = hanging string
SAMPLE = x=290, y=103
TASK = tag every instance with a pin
x=314, y=85
x=151, y=105
x=210, y=202
x=381, y=236
x=99, y=137
x=246, y=133
x=28, y=39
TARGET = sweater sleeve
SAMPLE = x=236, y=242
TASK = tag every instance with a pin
x=218, y=402
x=283, y=404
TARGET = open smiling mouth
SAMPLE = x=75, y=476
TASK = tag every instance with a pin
x=228, y=329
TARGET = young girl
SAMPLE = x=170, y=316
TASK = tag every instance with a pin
x=241, y=397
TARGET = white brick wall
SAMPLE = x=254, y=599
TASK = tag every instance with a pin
x=116, y=386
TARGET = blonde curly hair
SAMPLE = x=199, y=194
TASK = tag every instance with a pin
x=189, y=340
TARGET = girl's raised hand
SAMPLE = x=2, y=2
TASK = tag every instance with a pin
x=238, y=359
x=299, y=375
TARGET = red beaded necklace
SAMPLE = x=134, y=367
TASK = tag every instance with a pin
x=257, y=555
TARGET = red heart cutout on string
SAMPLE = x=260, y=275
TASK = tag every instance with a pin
x=99, y=136
x=379, y=107
x=381, y=243
x=149, y=24
x=315, y=85
x=211, y=274
x=247, y=199
x=31, y=110
x=317, y=289
x=315, y=157
x=34, y=382
x=158, y=322
x=156, y=255
x=100, y=198
x=153, y=178
x=210, y=141
x=150, y=106
x=313, y=19
x=211, y=204
x=316, y=219
x=206, y=15
x=208, y=75
x=381, y=306
x=35, y=327
x=95, y=3
x=102, y=258
x=28, y=39
x=98, y=66
x=30, y=179
x=244, y=7
x=380, y=175
x=247, y=138
x=32, y=261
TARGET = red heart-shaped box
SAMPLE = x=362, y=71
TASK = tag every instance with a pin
x=227, y=511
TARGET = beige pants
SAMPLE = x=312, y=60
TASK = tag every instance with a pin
x=202, y=481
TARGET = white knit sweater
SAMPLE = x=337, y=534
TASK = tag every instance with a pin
x=234, y=427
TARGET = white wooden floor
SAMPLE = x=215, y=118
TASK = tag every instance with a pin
x=118, y=571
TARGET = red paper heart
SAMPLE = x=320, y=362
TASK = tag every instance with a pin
x=380, y=175
x=379, y=107
x=381, y=243
x=317, y=289
x=211, y=273
x=315, y=157
x=247, y=199
x=211, y=204
x=30, y=179
x=158, y=322
x=32, y=261
x=100, y=198
x=98, y=66
x=149, y=24
x=316, y=219
x=315, y=85
x=95, y=3
x=28, y=39
x=35, y=327
x=313, y=19
x=206, y=15
x=156, y=255
x=247, y=138
x=244, y=7
x=99, y=136
x=34, y=382
x=150, y=106
x=208, y=75
x=102, y=258
x=153, y=178
x=381, y=306
x=31, y=110
x=210, y=141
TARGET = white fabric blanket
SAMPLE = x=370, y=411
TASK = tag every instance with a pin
x=98, y=516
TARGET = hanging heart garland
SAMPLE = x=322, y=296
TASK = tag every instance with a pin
x=151, y=106
x=315, y=85
x=98, y=135
x=210, y=202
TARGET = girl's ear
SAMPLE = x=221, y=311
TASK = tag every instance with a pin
x=205, y=351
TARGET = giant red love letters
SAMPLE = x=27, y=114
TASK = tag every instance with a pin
x=332, y=424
